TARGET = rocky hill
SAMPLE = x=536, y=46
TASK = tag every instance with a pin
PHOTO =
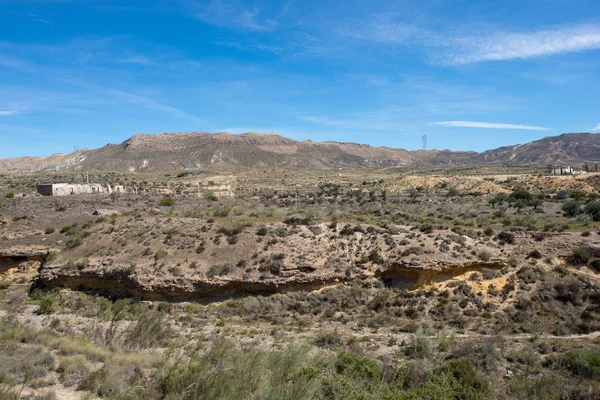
x=169, y=151
x=566, y=148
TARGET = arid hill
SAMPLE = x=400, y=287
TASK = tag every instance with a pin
x=170, y=151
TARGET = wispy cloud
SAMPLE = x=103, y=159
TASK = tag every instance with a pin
x=596, y=128
x=506, y=46
x=140, y=60
x=366, y=121
x=136, y=99
x=6, y=113
x=41, y=18
x=249, y=19
x=454, y=48
x=490, y=125
x=234, y=15
x=66, y=76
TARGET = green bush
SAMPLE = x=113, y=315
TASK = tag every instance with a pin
x=328, y=340
x=584, y=363
x=593, y=209
x=464, y=370
x=228, y=372
x=167, y=201
x=506, y=237
x=10, y=195
x=210, y=196
x=149, y=328
x=221, y=211
x=484, y=256
x=220, y=270
x=578, y=194
x=46, y=306
x=571, y=208
x=581, y=255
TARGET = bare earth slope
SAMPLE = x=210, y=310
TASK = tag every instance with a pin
x=169, y=151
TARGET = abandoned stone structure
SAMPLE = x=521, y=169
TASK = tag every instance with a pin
x=68, y=189
x=566, y=170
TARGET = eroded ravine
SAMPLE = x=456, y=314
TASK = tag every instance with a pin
x=120, y=283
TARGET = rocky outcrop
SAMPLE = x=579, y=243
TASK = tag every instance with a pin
x=13, y=256
x=117, y=283
x=123, y=282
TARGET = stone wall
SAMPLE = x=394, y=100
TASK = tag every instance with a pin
x=67, y=189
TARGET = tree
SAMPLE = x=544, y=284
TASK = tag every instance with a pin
x=571, y=208
x=497, y=199
x=520, y=194
x=578, y=194
x=593, y=209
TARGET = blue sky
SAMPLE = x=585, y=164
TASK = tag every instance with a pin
x=470, y=74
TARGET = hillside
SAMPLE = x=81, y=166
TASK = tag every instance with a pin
x=566, y=148
x=167, y=151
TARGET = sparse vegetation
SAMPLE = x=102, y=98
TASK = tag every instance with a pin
x=335, y=288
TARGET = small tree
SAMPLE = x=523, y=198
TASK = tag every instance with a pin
x=571, y=208
x=593, y=209
x=578, y=194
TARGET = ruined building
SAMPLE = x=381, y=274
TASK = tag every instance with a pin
x=68, y=189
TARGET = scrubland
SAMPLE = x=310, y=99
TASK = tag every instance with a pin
x=279, y=284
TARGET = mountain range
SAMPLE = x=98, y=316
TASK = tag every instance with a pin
x=176, y=151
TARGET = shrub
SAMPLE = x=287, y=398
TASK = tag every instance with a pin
x=221, y=211
x=49, y=231
x=561, y=195
x=210, y=196
x=464, y=371
x=250, y=372
x=358, y=368
x=10, y=195
x=149, y=328
x=578, y=194
x=584, y=363
x=297, y=221
x=484, y=255
x=167, y=201
x=46, y=306
x=71, y=244
x=593, y=209
x=506, y=237
x=571, y=208
x=420, y=346
x=220, y=270
x=328, y=340
x=535, y=254
x=581, y=255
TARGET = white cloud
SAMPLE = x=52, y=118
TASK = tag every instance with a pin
x=490, y=125
x=455, y=48
x=6, y=113
x=365, y=121
x=506, y=46
x=248, y=19
x=141, y=60
x=596, y=128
